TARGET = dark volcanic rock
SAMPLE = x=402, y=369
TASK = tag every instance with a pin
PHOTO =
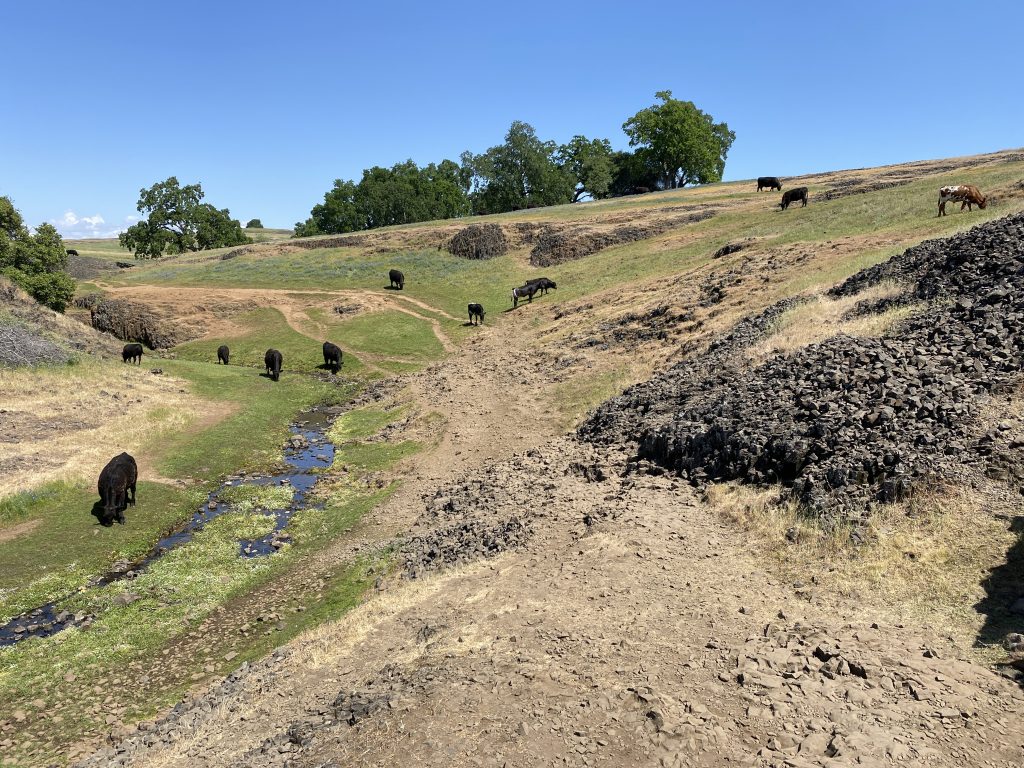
x=134, y=322
x=850, y=420
x=556, y=245
x=479, y=241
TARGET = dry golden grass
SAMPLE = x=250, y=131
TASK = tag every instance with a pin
x=821, y=318
x=925, y=560
x=67, y=422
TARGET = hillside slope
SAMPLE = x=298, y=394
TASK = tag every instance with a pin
x=618, y=618
x=478, y=584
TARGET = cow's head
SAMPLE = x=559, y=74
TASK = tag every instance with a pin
x=983, y=202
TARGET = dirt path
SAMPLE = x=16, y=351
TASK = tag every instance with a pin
x=214, y=307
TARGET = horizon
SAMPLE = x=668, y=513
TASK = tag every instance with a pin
x=292, y=111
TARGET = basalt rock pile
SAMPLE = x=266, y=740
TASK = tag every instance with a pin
x=134, y=322
x=556, y=245
x=851, y=420
x=479, y=241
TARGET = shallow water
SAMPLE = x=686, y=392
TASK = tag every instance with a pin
x=316, y=453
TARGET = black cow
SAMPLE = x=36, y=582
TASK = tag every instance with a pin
x=769, y=183
x=133, y=353
x=542, y=283
x=273, y=362
x=332, y=356
x=71, y=252
x=798, y=193
x=397, y=278
x=222, y=354
x=524, y=290
x=476, y=312
x=117, y=488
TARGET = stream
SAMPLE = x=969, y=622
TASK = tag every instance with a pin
x=306, y=451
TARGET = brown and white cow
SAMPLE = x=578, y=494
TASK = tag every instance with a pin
x=965, y=194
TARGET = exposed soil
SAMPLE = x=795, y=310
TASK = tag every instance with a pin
x=11, y=532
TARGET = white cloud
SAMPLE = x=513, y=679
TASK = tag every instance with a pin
x=75, y=227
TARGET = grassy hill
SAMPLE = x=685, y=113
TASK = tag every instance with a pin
x=642, y=281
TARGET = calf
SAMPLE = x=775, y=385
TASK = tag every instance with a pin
x=965, y=194
x=769, y=183
x=397, y=278
x=799, y=193
x=476, y=312
x=117, y=488
x=132, y=353
x=542, y=284
x=273, y=362
x=520, y=292
x=71, y=252
x=222, y=354
x=332, y=356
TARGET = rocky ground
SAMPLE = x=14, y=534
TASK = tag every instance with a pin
x=553, y=605
x=854, y=420
x=627, y=625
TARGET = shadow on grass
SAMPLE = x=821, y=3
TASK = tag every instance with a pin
x=1004, y=587
x=391, y=288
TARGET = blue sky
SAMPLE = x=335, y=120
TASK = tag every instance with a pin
x=266, y=103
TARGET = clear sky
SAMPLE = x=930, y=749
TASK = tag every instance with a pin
x=266, y=103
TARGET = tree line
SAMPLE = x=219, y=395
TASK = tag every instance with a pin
x=675, y=144
x=35, y=261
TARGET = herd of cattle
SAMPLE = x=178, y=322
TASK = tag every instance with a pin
x=118, y=478
x=965, y=194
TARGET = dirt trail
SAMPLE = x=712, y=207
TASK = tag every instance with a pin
x=633, y=628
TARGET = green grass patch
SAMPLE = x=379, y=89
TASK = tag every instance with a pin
x=265, y=329
x=374, y=457
x=389, y=334
x=248, y=497
x=68, y=546
x=252, y=436
x=361, y=423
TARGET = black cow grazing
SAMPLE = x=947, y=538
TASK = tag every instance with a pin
x=524, y=290
x=397, y=278
x=132, y=353
x=117, y=488
x=71, y=252
x=273, y=362
x=543, y=284
x=332, y=356
x=476, y=312
x=222, y=354
x=769, y=183
x=798, y=193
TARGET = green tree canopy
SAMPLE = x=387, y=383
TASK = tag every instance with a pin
x=591, y=165
x=36, y=262
x=632, y=171
x=176, y=222
x=523, y=172
x=682, y=142
x=402, y=194
x=254, y=224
